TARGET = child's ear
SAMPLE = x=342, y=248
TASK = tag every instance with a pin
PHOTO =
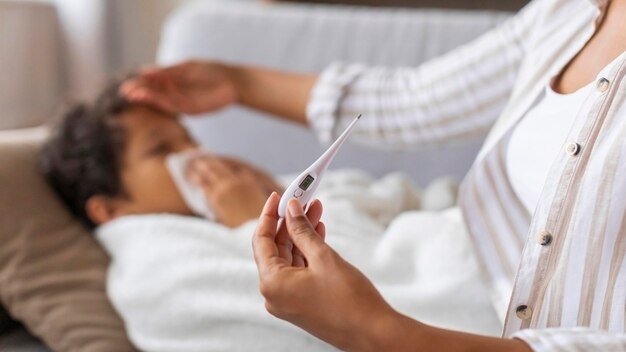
x=101, y=209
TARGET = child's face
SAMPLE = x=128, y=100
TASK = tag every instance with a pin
x=149, y=188
x=150, y=137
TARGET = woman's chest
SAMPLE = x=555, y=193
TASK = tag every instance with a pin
x=607, y=43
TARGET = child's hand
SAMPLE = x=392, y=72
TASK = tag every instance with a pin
x=266, y=179
x=236, y=194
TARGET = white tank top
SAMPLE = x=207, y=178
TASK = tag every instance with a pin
x=539, y=138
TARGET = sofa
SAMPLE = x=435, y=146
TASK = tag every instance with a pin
x=303, y=37
x=307, y=38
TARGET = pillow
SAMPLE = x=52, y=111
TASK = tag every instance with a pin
x=52, y=272
x=6, y=323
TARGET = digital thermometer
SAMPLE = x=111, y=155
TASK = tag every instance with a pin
x=304, y=186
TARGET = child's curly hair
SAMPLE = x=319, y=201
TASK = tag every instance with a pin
x=82, y=157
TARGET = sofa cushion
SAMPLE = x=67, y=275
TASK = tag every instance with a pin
x=52, y=272
x=6, y=323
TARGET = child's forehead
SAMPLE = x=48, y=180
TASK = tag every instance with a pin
x=147, y=122
x=140, y=116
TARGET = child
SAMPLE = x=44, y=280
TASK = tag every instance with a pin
x=108, y=163
x=108, y=160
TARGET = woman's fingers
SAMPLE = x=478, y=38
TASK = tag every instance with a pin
x=284, y=243
x=298, y=258
x=321, y=230
x=302, y=231
x=138, y=92
x=314, y=212
x=263, y=242
x=158, y=100
x=158, y=91
x=191, y=88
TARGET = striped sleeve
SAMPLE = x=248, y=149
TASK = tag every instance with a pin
x=575, y=339
x=455, y=96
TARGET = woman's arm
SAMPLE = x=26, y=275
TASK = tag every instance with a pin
x=414, y=336
x=326, y=296
x=281, y=94
x=196, y=87
x=448, y=98
x=451, y=97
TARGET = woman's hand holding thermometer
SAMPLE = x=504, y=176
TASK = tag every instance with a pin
x=304, y=186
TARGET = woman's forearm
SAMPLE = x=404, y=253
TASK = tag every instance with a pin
x=278, y=93
x=401, y=333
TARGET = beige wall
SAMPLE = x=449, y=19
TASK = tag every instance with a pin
x=66, y=50
x=32, y=78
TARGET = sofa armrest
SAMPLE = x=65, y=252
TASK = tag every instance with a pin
x=303, y=37
x=507, y=5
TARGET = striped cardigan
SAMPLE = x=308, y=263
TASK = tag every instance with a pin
x=560, y=270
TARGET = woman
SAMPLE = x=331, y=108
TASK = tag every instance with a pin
x=543, y=202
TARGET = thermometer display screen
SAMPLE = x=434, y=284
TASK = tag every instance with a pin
x=306, y=183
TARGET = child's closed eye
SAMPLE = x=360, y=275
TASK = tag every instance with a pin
x=159, y=150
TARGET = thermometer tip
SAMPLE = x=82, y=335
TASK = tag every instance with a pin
x=358, y=117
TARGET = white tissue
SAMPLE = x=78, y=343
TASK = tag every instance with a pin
x=193, y=196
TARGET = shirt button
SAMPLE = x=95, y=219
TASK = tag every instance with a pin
x=523, y=312
x=603, y=85
x=544, y=238
x=572, y=149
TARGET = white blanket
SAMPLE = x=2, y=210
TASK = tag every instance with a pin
x=186, y=284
